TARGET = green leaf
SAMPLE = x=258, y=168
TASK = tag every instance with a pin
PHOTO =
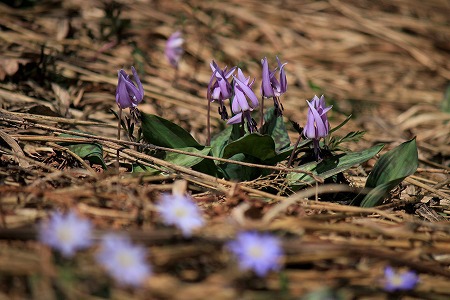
x=161, y=132
x=92, y=152
x=238, y=172
x=394, y=166
x=331, y=166
x=340, y=125
x=275, y=127
x=256, y=145
x=178, y=159
x=219, y=141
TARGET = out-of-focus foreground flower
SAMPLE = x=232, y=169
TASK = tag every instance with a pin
x=174, y=49
x=399, y=281
x=125, y=262
x=271, y=87
x=260, y=252
x=127, y=93
x=317, y=125
x=66, y=233
x=240, y=106
x=181, y=211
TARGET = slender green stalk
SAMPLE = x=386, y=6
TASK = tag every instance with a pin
x=291, y=158
x=118, y=137
x=208, y=124
x=261, y=121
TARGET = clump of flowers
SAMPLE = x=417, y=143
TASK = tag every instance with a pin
x=181, y=211
x=174, y=49
x=399, y=281
x=240, y=106
x=125, y=262
x=260, y=252
x=66, y=233
x=271, y=87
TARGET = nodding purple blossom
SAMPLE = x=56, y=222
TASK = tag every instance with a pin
x=240, y=106
x=271, y=87
x=181, y=211
x=125, y=262
x=174, y=49
x=66, y=233
x=127, y=93
x=219, y=88
x=399, y=282
x=317, y=125
x=260, y=252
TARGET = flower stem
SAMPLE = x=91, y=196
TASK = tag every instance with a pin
x=291, y=158
x=208, y=124
x=118, y=136
x=261, y=121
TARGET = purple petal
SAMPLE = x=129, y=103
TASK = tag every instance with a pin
x=266, y=88
x=122, y=97
x=236, y=119
x=139, y=84
x=248, y=92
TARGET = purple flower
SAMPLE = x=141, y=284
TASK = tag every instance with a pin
x=127, y=94
x=125, y=262
x=219, y=88
x=240, y=106
x=259, y=252
x=174, y=49
x=400, y=282
x=66, y=233
x=317, y=125
x=271, y=86
x=181, y=211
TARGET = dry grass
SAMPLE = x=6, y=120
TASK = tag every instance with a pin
x=386, y=62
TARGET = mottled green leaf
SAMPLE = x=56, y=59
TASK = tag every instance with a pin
x=331, y=165
x=275, y=127
x=161, y=132
x=394, y=166
x=92, y=152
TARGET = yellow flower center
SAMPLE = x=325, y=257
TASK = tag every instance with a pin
x=180, y=212
x=64, y=234
x=256, y=251
x=125, y=259
x=397, y=280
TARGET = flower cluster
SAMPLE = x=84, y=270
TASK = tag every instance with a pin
x=260, y=252
x=399, y=281
x=181, y=211
x=124, y=261
x=221, y=89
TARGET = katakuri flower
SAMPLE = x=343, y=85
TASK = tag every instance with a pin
x=240, y=106
x=271, y=87
x=399, y=282
x=181, y=211
x=125, y=262
x=260, y=252
x=66, y=233
x=127, y=93
x=317, y=125
x=219, y=88
x=174, y=49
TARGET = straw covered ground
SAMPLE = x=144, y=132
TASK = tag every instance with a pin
x=385, y=62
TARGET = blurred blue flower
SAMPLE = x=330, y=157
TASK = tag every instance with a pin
x=317, y=125
x=66, y=233
x=174, y=49
x=181, y=211
x=399, y=282
x=271, y=87
x=240, y=106
x=219, y=88
x=128, y=94
x=260, y=252
x=125, y=262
